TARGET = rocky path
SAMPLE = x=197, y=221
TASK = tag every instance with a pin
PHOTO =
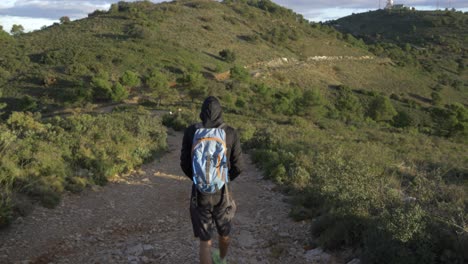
x=144, y=218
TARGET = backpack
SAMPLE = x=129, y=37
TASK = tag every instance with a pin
x=209, y=161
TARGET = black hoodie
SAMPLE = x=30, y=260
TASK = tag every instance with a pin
x=212, y=116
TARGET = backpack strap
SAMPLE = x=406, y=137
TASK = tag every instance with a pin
x=223, y=125
x=200, y=125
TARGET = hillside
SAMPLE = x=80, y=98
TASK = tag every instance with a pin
x=56, y=65
x=435, y=41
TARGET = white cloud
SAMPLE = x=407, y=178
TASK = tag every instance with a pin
x=7, y=3
x=29, y=24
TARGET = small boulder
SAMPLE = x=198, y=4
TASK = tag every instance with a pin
x=317, y=256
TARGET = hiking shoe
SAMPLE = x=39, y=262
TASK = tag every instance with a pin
x=217, y=258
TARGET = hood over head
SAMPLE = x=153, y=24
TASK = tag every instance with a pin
x=211, y=113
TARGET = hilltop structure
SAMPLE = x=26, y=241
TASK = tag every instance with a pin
x=389, y=4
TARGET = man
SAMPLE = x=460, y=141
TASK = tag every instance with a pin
x=217, y=207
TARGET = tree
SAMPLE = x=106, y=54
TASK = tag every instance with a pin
x=130, y=79
x=102, y=88
x=310, y=101
x=119, y=93
x=436, y=98
x=196, y=85
x=159, y=85
x=402, y=119
x=348, y=104
x=28, y=103
x=3, y=34
x=382, y=109
x=228, y=55
x=451, y=120
x=17, y=30
x=65, y=20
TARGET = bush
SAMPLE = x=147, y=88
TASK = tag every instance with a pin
x=436, y=98
x=450, y=121
x=381, y=109
x=130, y=79
x=77, y=69
x=17, y=30
x=102, y=88
x=159, y=85
x=402, y=119
x=28, y=103
x=65, y=20
x=239, y=73
x=246, y=132
x=228, y=55
x=179, y=121
x=43, y=159
x=348, y=104
x=196, y=85
x=119, y=93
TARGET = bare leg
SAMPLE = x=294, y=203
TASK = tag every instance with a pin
x=223, y=246
x=205, y=252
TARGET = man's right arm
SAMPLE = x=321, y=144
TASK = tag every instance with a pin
x=186, y=152
x=236, y=159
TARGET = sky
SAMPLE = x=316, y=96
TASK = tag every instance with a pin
x=33, y=14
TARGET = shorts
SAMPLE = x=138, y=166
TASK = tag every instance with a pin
x=209, y=209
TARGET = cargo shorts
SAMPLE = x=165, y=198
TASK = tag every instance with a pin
x=208, y=210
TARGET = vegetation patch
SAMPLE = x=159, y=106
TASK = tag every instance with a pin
x=42, y=158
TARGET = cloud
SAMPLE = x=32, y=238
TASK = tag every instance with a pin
x=29, y=24
x=52, y=9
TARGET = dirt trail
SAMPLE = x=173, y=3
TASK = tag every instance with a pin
x=144, y=219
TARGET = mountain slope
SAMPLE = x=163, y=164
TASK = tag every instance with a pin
x=180, y=37
x=435, y=40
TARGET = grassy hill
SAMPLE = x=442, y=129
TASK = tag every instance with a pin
x=56, y=65
x=435, y=41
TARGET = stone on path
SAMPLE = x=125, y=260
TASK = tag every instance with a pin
x=317, y=256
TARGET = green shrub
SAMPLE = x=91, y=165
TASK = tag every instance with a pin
x=228, y=55
x=179, y=121
x=196, y=85
x=436, y=98
x=102, y=88
x=450, y=121
x=402, y=119
x=239, y=73
x=64, y=20
x=28, y=103
x=159, y=85
x=130, y=79
x=381, y=109
x=44, y=158
x=348, y=104
x=77, y=69
x=17, y=30
x=119, y=93
x=246, y=132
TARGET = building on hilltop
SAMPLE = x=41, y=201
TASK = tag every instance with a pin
x=399, y=7
x=389, y=4
x=392, y=6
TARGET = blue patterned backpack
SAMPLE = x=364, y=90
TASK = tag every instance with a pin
x=209, y=161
